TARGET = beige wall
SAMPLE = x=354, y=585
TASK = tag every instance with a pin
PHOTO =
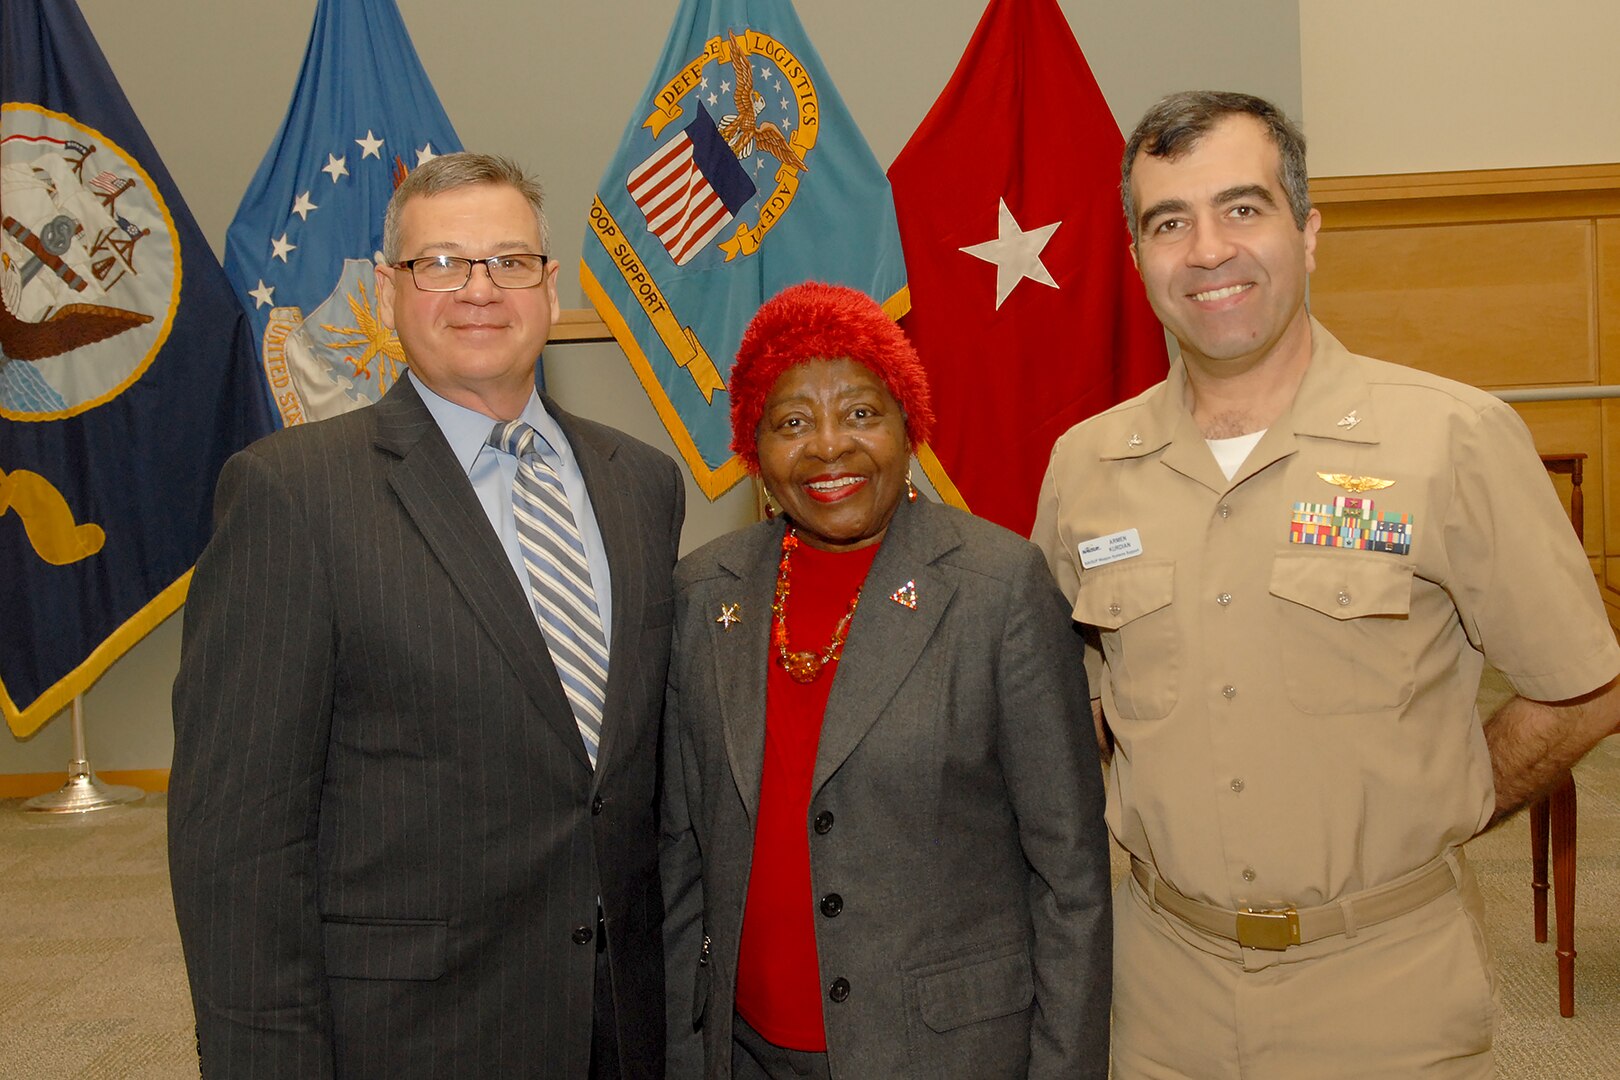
x=1394, y=86
x=211, y=82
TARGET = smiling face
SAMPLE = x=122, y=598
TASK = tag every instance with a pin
x=476, y=346
x=833, y=452
x=1223, y=262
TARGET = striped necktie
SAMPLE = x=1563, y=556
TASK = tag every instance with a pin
x=559, y=580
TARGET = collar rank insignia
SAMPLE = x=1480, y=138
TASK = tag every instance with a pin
x=1349, y=420
x=906, y=595
x=1355, y=484
x=729, y=614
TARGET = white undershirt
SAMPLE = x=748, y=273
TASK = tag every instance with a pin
x=1231, y=453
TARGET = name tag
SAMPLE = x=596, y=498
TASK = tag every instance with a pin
x=1111, y=548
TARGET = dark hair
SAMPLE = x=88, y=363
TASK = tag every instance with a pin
x=1174, y=125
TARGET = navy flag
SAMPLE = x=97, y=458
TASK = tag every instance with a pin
x=740, y=173
x=301, y=248
x=126, y=370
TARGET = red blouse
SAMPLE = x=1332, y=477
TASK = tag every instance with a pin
x=779, y=987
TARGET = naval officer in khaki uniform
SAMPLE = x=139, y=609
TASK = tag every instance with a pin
x=1291, y=562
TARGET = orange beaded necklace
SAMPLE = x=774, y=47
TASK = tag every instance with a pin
x=804, y=667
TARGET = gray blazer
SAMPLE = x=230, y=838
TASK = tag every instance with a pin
x=385, y=836
x=956, y=809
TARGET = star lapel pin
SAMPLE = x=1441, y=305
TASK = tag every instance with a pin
x=906, y=595
x=729, y=614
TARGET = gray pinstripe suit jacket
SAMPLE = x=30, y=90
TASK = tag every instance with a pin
x=956, y=809
x=384, y=830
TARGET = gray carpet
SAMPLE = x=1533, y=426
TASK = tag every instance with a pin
x=92, y=984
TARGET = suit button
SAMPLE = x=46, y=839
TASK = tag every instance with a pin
x=596, y=805
x=582, y=935
x=839, y=990
x=831, y=905
x=824, y=822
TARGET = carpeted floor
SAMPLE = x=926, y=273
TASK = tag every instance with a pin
x=92, y=985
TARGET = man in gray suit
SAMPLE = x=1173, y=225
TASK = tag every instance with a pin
x=411, y=813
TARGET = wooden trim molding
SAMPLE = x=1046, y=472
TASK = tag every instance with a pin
x=579, y=325
x=27, y=785
x=1537, y=194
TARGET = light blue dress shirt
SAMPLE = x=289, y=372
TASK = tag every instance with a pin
x=492, y=474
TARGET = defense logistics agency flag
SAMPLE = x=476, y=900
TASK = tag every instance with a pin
x=740, y=173
x=126, y=370
x=301, y=248
x=1024, y=302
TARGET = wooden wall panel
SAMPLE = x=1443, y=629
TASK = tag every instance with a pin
x=1493, y=305
x=1503, y=279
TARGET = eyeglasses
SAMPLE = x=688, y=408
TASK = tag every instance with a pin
x=447, y=273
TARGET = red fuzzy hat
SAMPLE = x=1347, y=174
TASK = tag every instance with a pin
x=814, y=321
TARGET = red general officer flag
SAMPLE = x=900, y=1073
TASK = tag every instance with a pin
x=1024, y=303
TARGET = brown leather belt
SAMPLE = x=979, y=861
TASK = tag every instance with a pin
x=1278, y=928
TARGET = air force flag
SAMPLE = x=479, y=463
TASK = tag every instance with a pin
x=740, y=173
x=301, y=249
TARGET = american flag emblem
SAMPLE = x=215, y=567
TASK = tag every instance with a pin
x=690, y=188
x=106, y=183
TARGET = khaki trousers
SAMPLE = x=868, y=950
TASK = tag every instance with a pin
x=1412, y=997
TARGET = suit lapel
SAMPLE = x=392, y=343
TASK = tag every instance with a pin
x=886, y=637
x=612, y=501
x=434, y=491
x=742, y=655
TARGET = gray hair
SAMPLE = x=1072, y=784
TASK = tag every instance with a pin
x=447, y=172
x=1174, y=126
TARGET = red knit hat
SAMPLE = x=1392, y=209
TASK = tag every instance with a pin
x=814, y=321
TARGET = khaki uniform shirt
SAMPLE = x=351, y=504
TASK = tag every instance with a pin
x=1295, y=721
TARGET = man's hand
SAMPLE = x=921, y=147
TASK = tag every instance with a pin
x=1105, y=739
x=1533, y=743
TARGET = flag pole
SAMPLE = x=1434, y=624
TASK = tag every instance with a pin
x=83, y=792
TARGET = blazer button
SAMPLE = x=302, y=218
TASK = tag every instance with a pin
x=582, y=935
x=839, y=990
x=831, y=905
x=596, y=805
x=824, y=822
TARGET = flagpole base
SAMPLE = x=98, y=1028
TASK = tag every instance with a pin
x=83, y=793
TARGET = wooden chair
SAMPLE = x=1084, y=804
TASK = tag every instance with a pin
x=1555, y=814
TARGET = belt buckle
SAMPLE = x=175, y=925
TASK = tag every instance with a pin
x=1274, y=929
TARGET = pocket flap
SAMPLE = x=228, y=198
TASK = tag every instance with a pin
x=415, y=949
x=1113, y=596
x=980, y=988
x=1344, y=585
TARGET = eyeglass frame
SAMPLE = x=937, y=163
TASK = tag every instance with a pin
x=409, y=266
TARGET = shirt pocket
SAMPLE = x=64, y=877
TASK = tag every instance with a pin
x=1347, y=642
x=1129, y=604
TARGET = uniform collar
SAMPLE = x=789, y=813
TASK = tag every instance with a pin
x=1333, y=402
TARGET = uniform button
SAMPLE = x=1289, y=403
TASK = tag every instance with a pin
x=831, y=905
x=1248, y=873
x=1344, y=598
x=824, y=822
x=582, y=935
x=1229, y=692
x=839, y=990
x=1237, y=785
x=1114, y=609
x=1224, y=510
x=1224, y=599
x=596, y=805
